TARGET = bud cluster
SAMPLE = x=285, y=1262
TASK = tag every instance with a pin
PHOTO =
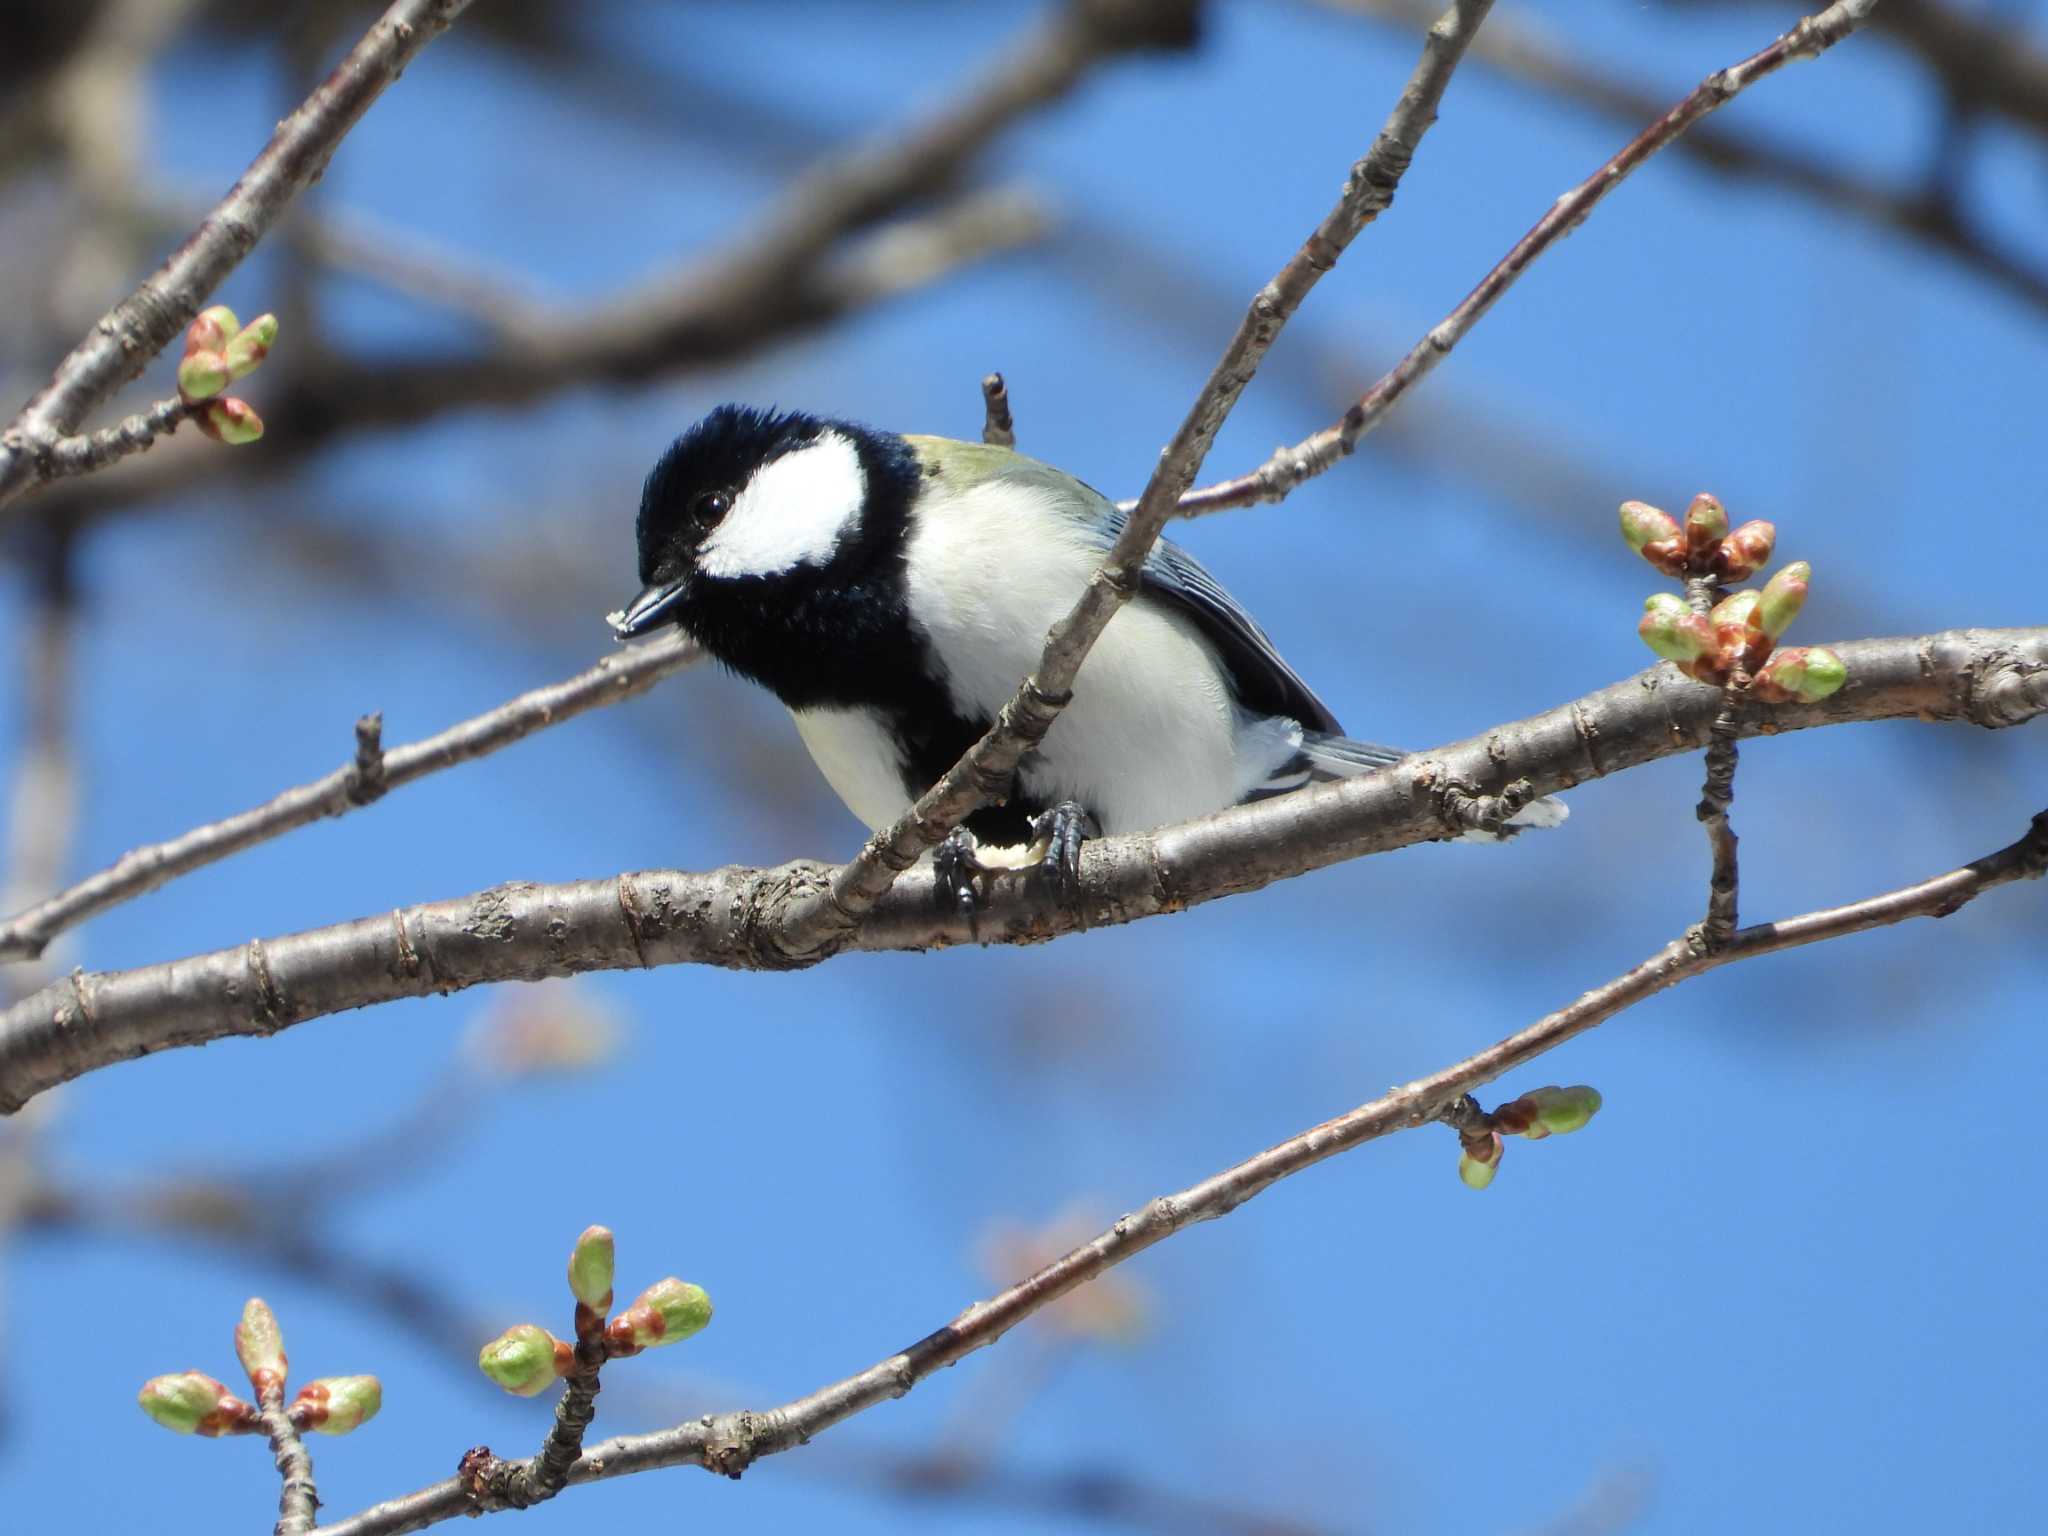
x=526, y=1359
x=1740, y=633
x=1541, y=1112
x=219, y=349
x=192, y=1403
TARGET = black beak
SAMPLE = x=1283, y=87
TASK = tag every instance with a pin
x=653, y=608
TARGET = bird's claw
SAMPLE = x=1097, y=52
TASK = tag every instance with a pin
x=1063, y=829
x=954, y=868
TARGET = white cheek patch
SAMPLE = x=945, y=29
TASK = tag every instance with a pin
x=793, y=512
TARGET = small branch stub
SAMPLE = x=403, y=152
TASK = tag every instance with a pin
x=997, y=429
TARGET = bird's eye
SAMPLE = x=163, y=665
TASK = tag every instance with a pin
x=708, y=507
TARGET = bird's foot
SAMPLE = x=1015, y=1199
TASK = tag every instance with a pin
x=955, y=865
x=1056, y=837
x=960, y=863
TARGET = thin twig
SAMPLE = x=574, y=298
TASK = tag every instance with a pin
x=298, y=1500
x=83, y=453
x=523, y=1484
x=128, y=336
x=984, y=774
x=997, y=429
x=356, y=783
x=1275, y=479
x=730, y=1443
x=1717, y=791
x=738, y=918
x=1526, y=56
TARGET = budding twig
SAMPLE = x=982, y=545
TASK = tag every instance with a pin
x=729, y=1443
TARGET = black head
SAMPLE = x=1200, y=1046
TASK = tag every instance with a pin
x=751, y=496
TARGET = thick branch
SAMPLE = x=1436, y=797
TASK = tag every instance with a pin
x=984, y=774
x=730, y=1443
x=355, y=784
x=739, y=918
x=1288, y=468
x=143, y=324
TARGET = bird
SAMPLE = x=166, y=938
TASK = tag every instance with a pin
x=893, y=590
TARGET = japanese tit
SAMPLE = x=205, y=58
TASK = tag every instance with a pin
x=893, y=590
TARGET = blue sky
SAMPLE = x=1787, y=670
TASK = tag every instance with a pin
x=1788, y=1279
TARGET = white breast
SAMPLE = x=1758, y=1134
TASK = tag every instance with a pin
x=857, y=755
x=1152, y=736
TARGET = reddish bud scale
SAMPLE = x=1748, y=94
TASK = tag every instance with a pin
x=1706, y=524
x=230, y=421
x=1479, y=1160
x=210, y=331
x=1743, y=553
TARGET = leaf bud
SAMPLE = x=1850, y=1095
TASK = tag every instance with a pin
x=667, y=1312
x=250, y=345
x=1782, y=598
x=202, y=374
x=1479, y=1160
x=1743, y=553
x=259, y=1345
x=521, y=1359
x=191, y=1403
x=334, y=1405
x=590, y=1269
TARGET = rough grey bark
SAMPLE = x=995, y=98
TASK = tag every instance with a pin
x=740, y=918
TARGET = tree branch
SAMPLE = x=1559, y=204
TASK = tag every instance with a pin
x=355, y=784
x=730, y=1443
x=740, y=918
x=984, y=774
x=128, y=336
x=1524, y=55
x=1275, y=479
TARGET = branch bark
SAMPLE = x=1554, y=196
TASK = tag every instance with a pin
x=740, y=918
x=729, y=1443
x=347, y=788
x=1275, y=479
x=824, y=921
x=1526, y=56
x=128, y=336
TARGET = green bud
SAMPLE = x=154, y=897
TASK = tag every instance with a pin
x=259, y=1344
x=1706, y=523
x=210, y=330
x=521, y=1359
x=667, y=1312
x=231, y=421
x=1743, y=552
x=1479, y=1161
x=202, y=375
x=334, y=1405
x=1560, y=1111
x=1803, y=674
x=250, y=346
x=1674, y=631
x=1643, y=524
x=590, y=1269
x=1782, y=598
x=193, y=1404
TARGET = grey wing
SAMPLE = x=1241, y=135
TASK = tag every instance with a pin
x=1265, y=684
